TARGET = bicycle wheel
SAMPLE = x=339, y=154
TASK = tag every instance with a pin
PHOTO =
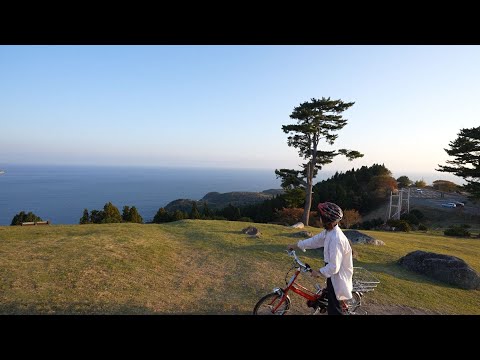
x=267, y=303
x=354, y=302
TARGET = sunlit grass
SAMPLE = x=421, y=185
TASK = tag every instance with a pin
x=196, y=267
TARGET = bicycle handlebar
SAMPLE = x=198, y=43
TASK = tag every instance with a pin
x=305, y=267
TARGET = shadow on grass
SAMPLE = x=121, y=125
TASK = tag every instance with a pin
x=280, y=234
x=281, y=249
x=295, y=235
x=289, y=235
x=292, y=233
x=238, y=232
x=89, y=309
x=17, y=308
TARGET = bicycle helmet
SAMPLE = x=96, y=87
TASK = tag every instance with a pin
x=330, y=212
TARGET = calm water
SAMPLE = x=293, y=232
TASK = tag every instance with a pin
x=60, y=193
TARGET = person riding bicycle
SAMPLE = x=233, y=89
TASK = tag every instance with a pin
x=337, y=252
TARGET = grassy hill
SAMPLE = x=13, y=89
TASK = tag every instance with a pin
x=197, y=267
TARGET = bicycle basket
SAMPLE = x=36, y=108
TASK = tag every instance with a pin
x=363, y=280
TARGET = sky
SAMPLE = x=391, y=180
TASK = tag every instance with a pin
x=224, y=106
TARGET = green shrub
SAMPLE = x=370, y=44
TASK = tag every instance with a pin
x=162, y=216
x=399, y=225
x=21, y=217
x=96, y=216
x=130, y=214
x=134, y=216
x=85, y=219
x=369, y=224
x=179, y=215
x=457, y=231
x=422, y=227
x=404, y=226
x=418, y=214
x=194, y=213
x=410, y=218
x=111, y=214
x=366, y=225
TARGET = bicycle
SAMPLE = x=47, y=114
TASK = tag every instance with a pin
x=278, y=302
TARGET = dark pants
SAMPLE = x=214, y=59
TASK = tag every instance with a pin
x=334, y=307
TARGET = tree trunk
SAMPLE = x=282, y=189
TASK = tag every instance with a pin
x=308, y=196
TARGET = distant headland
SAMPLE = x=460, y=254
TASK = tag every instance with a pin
x=216, y=200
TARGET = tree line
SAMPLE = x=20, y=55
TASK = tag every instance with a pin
x=111, y=214
x=361, y=189
x=357, y=190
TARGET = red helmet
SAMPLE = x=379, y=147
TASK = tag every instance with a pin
x=330, y=212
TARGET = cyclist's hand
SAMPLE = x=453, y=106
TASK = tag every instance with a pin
x=316, y=273
x=291, y=247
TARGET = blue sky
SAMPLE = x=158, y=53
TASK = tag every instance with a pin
x=223, y=106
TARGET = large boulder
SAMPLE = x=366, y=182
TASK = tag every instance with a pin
x=252, y=231
x=445, y=268
x=357, y=237
x=298, y=225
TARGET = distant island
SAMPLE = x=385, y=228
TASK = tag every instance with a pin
x=216, y=200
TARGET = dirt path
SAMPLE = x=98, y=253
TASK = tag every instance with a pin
x=378, y=309
x=299, y=308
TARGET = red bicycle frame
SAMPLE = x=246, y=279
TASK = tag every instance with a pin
x=278, y=301
x=298, y=289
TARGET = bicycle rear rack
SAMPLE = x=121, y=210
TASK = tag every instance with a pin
x=363, y=280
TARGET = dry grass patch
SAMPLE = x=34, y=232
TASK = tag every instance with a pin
x=197, y=267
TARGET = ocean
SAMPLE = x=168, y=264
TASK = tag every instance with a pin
x=60, y=193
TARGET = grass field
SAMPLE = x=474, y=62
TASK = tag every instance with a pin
x=197, y=267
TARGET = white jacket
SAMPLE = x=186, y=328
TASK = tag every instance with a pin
x=337, y=253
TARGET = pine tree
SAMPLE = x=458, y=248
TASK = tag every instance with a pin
x=162, y=216
x=97, y=217
x=194, y=214
x=404, y=181
x=466, y=164
x=316, y=120
x=231, y=212
x=134, y=216
x=112, y=214
x=126, y=217
x=179, y=215
x=207, y=213
x=85, y=219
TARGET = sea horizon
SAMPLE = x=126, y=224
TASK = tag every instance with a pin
x=60, y=193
